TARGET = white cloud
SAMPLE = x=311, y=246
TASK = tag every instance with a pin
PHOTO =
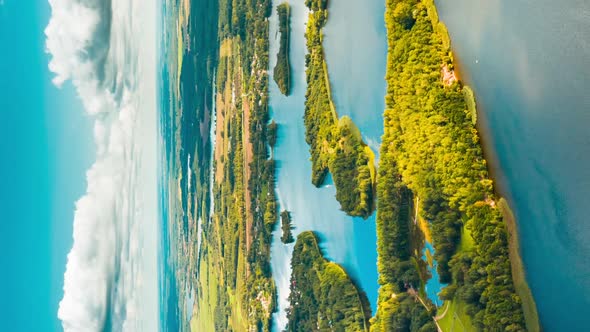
x=106, y=48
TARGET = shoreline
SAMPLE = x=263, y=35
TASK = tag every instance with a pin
x=500, y=189
x=335, y=143
x=408, y=24
x=529, y=305
x=504, y=200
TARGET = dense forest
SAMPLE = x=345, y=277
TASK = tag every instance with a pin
x=335, y=144
x=322, y=296
x=282, y=71
x=235, y=287
x=431, y=150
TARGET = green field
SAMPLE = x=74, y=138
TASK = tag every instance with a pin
x=455, y=319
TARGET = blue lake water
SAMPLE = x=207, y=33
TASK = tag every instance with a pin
x=433, y=285
x=355, y=46
x=356, y=53
x=529, y=64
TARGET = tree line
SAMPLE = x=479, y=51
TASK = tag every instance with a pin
x=282, y=71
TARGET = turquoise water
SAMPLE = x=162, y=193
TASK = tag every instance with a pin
x=355, y=45
x=433, y=285
x=169, y=316
x=348, y=241
x=529, y=64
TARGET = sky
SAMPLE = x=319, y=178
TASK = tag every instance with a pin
x=77, y=179
x=46, y=146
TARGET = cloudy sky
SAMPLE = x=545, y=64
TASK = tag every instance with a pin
x=78, y=197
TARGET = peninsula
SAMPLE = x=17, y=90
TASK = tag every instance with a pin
x=431, y=152
x=335, y=144
x=323, y=297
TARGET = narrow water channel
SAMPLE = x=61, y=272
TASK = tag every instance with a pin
x=348, y=241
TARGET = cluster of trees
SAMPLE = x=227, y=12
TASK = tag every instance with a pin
x=335, y=145
x=271, y=133
x=248, y=21
x=352, y=168
x=282, y=71
x=286, y=227
x=431, y=149
x=323, y=297
x=399, y=275
x=401, y=313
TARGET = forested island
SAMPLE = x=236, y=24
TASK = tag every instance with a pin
x=286, y=227
x=271, y=133
x=431, y=154
x=235, y=288
x=282, y=71
x=336, y=145
x=322, y=296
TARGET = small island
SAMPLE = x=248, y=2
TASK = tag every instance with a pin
x=323, y=297
x=271, y=133
x=287, y=236
x=282, y=70
x=336, y=145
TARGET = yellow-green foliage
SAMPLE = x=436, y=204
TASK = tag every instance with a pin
x=470, y=101
x=431, y=147
x=320, y=121
x=439, y=27
x=456, y=317
x=335, y=145
x=323, y=297
x=400, y=313
x=431, y=9
x=396, y=309
x=442, y=31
